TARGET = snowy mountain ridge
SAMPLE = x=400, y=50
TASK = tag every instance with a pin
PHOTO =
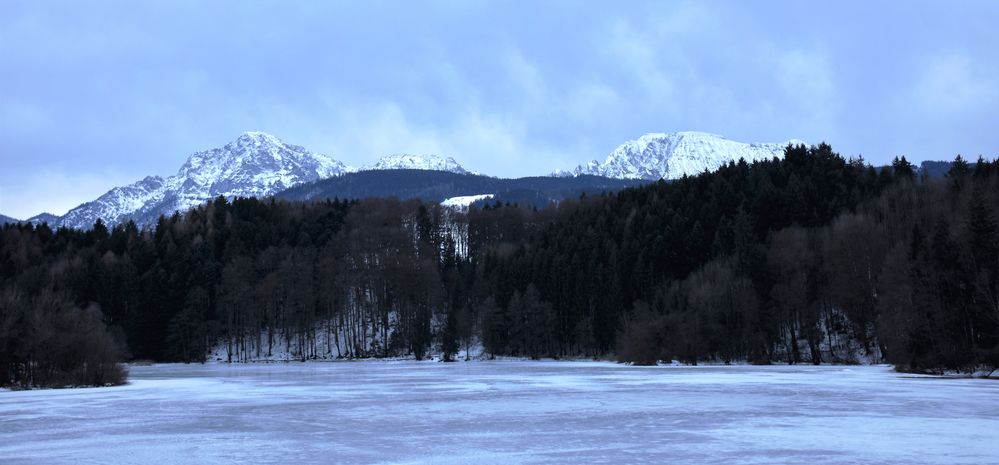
x=258, y=164
x=656, y=156
x=417, y=162
x=254, y=165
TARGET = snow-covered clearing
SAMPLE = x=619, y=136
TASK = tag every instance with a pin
x=506, y=412
x=463, y=202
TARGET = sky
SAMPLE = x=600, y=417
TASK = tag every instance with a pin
x=99, y=94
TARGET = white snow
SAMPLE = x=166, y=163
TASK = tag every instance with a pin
x=417, y=162
x=506, y=412
x=672, y=155
x=463, y=202
x=456, y=224
x=254, y=165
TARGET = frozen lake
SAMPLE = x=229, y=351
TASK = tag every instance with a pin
x=506, y=412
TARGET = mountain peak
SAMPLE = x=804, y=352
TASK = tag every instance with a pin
x=417, y=162
x=40, y=218
x=676, y=154
x=253, y=153
x=257, y=134
x=255, y=164
x=7, y=219
x=256, y=138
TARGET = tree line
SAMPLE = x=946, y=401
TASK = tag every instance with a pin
x=807, y=259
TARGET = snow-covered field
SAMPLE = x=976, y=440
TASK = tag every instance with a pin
x=506, y=412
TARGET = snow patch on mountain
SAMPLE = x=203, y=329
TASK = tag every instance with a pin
x=462, y=203
x=673, y=155
x=258, y=164
x=417, y=162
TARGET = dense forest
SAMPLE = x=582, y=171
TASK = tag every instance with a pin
x=431, y=186
x=812, y=258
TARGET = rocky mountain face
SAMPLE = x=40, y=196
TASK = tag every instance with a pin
x=254, y=165
x=259, y=165
x=43, y=218
x=672, y=155
x=417, y=162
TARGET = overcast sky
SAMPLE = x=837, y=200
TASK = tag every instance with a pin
x=94, y=95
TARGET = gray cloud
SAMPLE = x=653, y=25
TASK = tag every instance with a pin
x=95, y=95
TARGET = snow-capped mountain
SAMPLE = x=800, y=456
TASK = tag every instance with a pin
x=254, y=165
x=37, y=220
x=673, y=155
x=417, y=162
x=259, y=165
x=43, y=218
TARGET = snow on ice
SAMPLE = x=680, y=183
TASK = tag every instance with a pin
x=506, y=412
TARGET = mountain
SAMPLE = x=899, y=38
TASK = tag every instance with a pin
x=260, y=165
x=932, y=169
x=936, y=169
x=673, y=155
x=417, y=162
x=254, y=165
x=35, y=220
x=40, y=218
x=438, y=186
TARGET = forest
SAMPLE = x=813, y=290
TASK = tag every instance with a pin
x=812, y=258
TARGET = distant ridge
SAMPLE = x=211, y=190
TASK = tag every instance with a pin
x=674, y=155
x=256, y=164
x=417, y=162
x=438, y=186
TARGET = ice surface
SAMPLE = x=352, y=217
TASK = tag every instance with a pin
x=506, y=412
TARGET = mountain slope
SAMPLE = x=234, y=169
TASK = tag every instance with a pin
x=935, y=169
x=259, y=165
x=256, y=164
x=47, y=218
x=437, y=186
x=417, y=162
x=673, y=155
x=6, y=219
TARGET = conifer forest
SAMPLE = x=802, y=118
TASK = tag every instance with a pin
x=809, y=259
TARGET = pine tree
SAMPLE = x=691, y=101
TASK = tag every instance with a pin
x=903, y=169
x=449, y=336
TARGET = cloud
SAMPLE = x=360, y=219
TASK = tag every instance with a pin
x=695, y=67
x=23, y=117
x=528, y=82
x=481, y=141
x=954, y=84
x=638, y=56
x=365, y=133
x=587, y=99
x=92, y=88
x=56, y=191
x=806, y=77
